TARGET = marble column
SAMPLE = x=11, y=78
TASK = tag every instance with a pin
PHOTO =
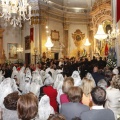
x=2, y=55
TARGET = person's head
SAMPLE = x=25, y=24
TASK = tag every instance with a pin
x=98, y=95
x=48, y=81
x=89, y=76
x=75, y=94
x=50, y=73
x=108, y=76
x=67, y=84
x=115, y=71
x=87, y=86
x=102, y=83
x=10, y=101
x=95, y=69
x=27, y=106
x=100, y=58
x=56, y=117
x=115, y=83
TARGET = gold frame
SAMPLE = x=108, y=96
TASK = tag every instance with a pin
x=78, y=35
x=55, y=35
x=12, y=50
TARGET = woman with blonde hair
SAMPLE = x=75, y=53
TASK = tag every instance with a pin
x=113, y=96
x=67, y=84
x=87, y=86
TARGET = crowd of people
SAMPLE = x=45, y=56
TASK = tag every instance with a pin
x=65, y=89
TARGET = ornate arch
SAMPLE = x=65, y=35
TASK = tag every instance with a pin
x=101, y=12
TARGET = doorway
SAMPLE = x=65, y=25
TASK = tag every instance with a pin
x=56, y=56
x=27, y=58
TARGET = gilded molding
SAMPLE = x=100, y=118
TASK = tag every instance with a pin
x=66, y=26
x=78, y=36
x=100, y=14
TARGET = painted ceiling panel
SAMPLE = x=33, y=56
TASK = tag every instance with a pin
x=71, y=3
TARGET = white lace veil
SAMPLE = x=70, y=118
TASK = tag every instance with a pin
x=42, y=74
x=89, y=76
x=27, y=81
x=28, y=73
x=7, y=86
x=48, y=81
x=45, y=109
x=1, y=76
x=21, y=77
x=59, y=81
x=14, y=73
x=35, y=88
x=77, y=79
x=37, y=78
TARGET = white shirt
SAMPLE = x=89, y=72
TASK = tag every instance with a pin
x=97, y=107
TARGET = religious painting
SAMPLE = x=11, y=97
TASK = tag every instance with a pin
x=55, y=35
x=12, y=50
x=78, y=36
x=107, y=26
x=27, y=43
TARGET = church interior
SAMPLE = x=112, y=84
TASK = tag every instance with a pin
x=57, y=29
x=59, y=60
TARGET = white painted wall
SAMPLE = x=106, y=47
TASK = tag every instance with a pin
x=11, y=35
x=25, y=32
x=58, y=27
x=72, y=29
x=35, y=43
x=15, y=35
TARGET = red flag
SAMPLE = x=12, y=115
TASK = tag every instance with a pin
x=31, y=34
x=106, y=49
x=118, y=10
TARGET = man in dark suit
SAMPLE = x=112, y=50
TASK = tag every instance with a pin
x=96, y=75
x=73, y=108
x=97, y=112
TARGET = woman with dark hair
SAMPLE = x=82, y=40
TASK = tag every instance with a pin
x=56, y=117
x=27, y=106
x=10, y=103
x=73, y=108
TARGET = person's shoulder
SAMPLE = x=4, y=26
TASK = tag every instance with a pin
x=85, y=106
x=85, y=115
x=95, y=112
x=63, y=95
x=110, y=89
x=108, y=111
x=66, y=105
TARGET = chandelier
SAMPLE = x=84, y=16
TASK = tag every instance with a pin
x=14, y=11
x=87, y=43
x=19, y=49
x=49, y=43
x=113, y=35
x=100, y=35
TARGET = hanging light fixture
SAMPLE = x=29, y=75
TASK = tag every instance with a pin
x=14, y=11
x=19, y=49
x=87, y=43
x=100, y=35
x=49, y=44
x=113, y=35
